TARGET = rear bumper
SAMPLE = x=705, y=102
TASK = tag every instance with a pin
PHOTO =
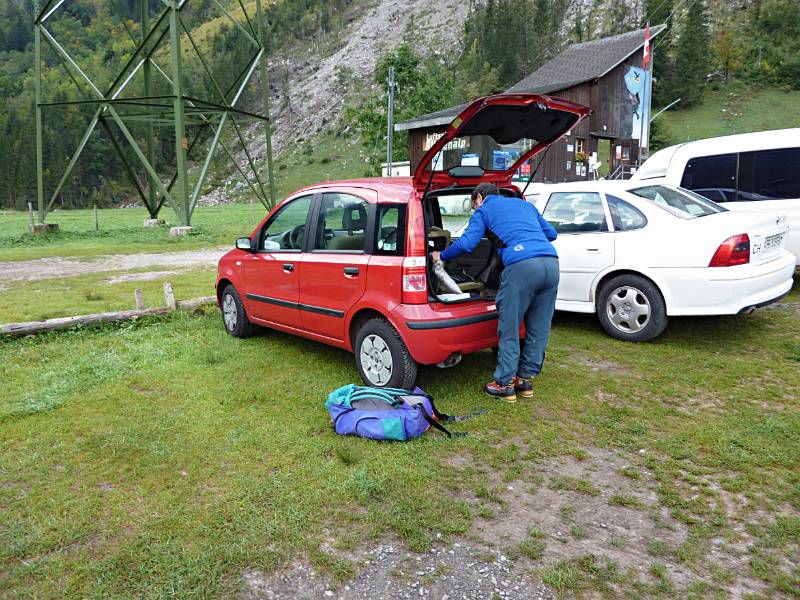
x=433, y=332
x=727, y=290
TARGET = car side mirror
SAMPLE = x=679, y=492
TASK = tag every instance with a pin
x=244, y=243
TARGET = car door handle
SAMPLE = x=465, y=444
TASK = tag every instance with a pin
x=351, y=271
x=288, y=267
x=593, y=249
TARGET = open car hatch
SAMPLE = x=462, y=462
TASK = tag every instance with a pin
x=493, y=137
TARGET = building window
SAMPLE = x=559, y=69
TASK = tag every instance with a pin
x=580, y=145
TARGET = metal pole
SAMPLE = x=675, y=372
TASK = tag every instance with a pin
x=667, y=107
x=390, y=124
x=37, y=40
x=265, y=93
x=152, y=209
x=181, y=143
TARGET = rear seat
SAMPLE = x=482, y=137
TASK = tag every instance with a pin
x=354, y=219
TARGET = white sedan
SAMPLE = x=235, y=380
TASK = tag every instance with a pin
x=637, y=254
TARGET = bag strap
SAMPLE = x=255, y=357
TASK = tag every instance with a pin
x=440, y=416
x=434, y=423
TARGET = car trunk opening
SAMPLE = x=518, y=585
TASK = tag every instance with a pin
x=494, y=139
x=476, y=275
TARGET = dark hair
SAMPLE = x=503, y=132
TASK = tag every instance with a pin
x=484, y=189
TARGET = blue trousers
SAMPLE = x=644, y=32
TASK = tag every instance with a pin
x=527, y=294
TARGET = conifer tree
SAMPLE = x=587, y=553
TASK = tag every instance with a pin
x=692, y=53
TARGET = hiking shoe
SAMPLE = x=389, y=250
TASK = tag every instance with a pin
x=523, y=386
x=503, y=392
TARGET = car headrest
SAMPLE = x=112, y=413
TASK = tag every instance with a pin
x=354, y=218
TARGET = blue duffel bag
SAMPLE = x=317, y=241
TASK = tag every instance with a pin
x=384, y=413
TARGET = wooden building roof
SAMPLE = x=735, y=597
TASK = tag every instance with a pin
x=578, y=64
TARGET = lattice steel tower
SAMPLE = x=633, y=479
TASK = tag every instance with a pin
x=113, y=107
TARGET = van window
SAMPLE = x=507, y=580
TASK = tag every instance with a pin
x=769, y=174
x=712, y=176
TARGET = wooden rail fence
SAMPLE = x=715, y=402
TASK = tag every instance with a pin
x=170, y=305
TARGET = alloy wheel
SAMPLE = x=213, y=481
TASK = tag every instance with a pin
x=628, y=309
x=376, y=360
x=229, y=312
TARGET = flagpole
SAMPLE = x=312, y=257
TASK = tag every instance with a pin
x=649, y=98
x=645, y=99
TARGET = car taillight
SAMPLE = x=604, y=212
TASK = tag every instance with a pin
x=415, y=280
x=415, y=275
x=733, y=251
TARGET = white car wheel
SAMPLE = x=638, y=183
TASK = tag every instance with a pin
x=631, y=308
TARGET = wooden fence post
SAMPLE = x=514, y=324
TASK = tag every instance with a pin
x=137, y=294
x=96, y=219
x=169, y=296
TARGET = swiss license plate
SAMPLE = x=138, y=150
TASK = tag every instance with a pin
x=773, y=241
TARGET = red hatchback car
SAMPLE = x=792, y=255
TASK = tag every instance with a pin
x=346, y=263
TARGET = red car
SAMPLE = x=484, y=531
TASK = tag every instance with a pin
x=346, y=263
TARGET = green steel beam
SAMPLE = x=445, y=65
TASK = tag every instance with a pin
x=265, y=94
x=37, y=42
x=139, y=50
x=45, y=10
x=59, y=50
x=149, y=133
x=207, y=163
x=183, y=110
x=76, y=155
x=181, y=143
x=236, y=23
x=131, y=173
x=249, y=22
x=263, y=199
x=203, y=62
x=247, y=155
x=142, y=158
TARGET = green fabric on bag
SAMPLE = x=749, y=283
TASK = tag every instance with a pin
x=393, y=429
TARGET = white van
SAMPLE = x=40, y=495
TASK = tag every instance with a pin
x=751, y=171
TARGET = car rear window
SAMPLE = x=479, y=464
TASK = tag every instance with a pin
x=681, y=203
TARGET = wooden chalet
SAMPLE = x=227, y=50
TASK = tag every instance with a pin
x=604, y=74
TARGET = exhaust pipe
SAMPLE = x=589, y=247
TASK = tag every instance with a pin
x=450, y=361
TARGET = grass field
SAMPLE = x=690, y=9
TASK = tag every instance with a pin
x=733, y=108
x=163, y=458
x=121, y=232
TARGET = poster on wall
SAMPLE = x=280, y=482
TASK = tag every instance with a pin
x=636, y=108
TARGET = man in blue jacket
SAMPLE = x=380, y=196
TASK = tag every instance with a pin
x=528, y=284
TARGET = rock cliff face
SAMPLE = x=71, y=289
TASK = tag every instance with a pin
x=305, y=96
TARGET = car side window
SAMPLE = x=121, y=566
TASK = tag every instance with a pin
x=575, y=212
x=769, y=175
x=624, y=216
x=287, y=229
x=711, y=176
x=391, y=229
x=342, y=223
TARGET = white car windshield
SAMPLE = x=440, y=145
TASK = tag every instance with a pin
x=679, y=202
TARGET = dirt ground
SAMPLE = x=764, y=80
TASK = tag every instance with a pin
x=56, y=266
x=486, y=563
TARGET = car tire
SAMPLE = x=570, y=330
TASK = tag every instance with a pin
x=631, y=308
x=234, y=317
x=382, y=358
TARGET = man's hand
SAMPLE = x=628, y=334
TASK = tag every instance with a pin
x=435, y=256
